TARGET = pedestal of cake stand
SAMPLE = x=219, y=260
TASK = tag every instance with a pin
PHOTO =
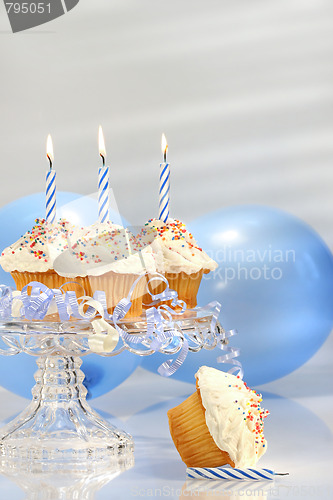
x=59, y=426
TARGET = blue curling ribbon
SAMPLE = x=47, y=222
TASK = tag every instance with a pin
x=167, y=294
x=155, y=324
x=6, y=301
x=156, y=321
x=162, y=327
x=101, y=298
x=120, y=312
x=231, y=354
x=37, y=303
x=62, y=303
x=67, y=302
x=169, y=367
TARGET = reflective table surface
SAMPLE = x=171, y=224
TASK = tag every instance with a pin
x=298, y=431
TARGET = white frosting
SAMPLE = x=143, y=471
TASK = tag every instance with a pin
x=94, y=250
x=176, y=250
x=36, y=250
x=99, y=250
x=233, y=415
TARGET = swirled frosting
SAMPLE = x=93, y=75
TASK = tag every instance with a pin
x=36, y=250
x=176, y=250
x=233, y=415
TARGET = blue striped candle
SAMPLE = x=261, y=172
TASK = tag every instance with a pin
x=50, y=185
x=103, y=182
x=230, y=473
x=103, y=194
x=164, y=193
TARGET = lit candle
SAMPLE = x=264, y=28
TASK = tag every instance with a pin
x=50, y=184
x=103, y=182
x=164, y=198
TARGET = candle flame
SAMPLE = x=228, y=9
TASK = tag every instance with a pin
x=49, y=150
x=101, y=144
x=164, y=146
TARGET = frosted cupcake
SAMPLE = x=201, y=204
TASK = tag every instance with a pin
x=179, y=258
x=111, y=261
x=31, y=258
x=221, y=423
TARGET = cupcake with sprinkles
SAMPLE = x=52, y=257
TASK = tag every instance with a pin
x=31, y=258
x=112, y=260
x=179, y=258
x=221, y=423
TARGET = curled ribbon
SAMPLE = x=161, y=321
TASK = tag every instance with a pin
x=231, y=352
x=156, y=336
x=155, y=331
x=105, y=338
x=6, y=300
x=163, y=334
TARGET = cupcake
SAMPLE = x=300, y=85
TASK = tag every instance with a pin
x=110, y=261
x=179, y=258
x=31, y=257
x=221, y=423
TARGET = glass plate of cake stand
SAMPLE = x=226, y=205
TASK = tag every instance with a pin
x=59, y=430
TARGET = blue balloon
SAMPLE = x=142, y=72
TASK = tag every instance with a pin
x=275, y=284
x=101, y=374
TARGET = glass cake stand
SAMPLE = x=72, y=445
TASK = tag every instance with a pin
x=59, y=428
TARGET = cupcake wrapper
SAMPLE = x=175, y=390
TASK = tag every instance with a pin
x=52, y=280
x=191, y=436
x=116, y=286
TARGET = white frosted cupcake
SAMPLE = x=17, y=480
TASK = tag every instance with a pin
x=31, y=258
x=108, y=260
x=221, y=423
x=179, y=258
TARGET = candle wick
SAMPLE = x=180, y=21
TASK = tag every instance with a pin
x=50, y=161
x=103, y=159
x=165, y=155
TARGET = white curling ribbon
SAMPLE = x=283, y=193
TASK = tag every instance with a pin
x=17, y=304
x=53, y=308
x=94, y=304
x=105, y=337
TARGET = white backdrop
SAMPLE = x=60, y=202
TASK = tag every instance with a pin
x=243, y=90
